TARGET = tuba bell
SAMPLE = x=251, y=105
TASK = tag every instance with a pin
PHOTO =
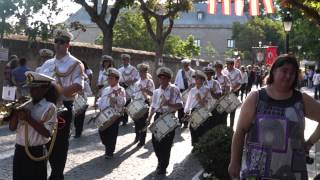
x=6, y=109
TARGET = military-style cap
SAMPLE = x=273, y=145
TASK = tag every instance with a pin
x=125, y=56
x=62, y=34
x=113, y=72
x=165, y=72
x=186, y=61
x=143, y=67
x=106, y=58
x=229, y=60
x=208, y=70
x=218, y=62
x=35, y=79
x=198, y=73
x=14, y=57
x=45, y=53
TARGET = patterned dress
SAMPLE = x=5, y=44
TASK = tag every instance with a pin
x=274, y=145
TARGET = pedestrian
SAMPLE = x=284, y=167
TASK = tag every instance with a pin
x=269, y=136
x=316, y=83
x=185, y=82
x=143, y=90
x=9, y=67
x=244, y=82
x=129, y=76
x=235, y=78
x=69, y=74
x=19, y=79
x=165, y=99
x=40, y=117
x=251, y=77
x=114, y=97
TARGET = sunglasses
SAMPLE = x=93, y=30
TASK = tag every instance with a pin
x=59, y=41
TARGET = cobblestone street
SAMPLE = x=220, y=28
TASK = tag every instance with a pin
x=86, y=160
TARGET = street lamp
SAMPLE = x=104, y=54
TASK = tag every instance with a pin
x=287, y=24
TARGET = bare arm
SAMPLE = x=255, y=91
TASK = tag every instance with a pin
x=312, y=112
x=245, y=119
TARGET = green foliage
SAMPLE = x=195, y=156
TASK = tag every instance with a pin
x=214, y=149
x=190, y=49
x=210, y=51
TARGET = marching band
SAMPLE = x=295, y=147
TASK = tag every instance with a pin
x=198, y=97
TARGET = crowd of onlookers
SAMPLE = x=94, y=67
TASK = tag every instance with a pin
x=311, y=78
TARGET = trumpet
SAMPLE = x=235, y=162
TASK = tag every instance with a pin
x=7, y=109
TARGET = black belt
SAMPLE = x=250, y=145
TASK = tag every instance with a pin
x=18, y=146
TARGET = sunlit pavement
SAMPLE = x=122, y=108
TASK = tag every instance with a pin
x=85, y=158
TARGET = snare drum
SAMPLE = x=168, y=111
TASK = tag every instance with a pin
x=137, y=109
x=80, y=104
x=106, y=118
x=228, y=103
x=164, y=125
x=129, y=92
x=199, y=116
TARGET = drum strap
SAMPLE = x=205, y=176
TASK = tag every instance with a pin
x=185, y=81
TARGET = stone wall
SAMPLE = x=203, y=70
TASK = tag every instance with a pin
x=87, y=52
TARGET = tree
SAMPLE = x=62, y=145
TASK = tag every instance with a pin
x=191, y=50
x=310, y=8
x=7, y=9
x=210, y=50
x=162, y=13
x=99, y=15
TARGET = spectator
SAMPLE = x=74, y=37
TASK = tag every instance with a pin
x=316, y=83
x=251, y=77
x=19, y=78
x=7, y=73
x=244, y=81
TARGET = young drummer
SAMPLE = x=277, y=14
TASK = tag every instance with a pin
x=40, y=117
x=198, y=97
x=112, y=96
x=143, y=89
x=167, y=98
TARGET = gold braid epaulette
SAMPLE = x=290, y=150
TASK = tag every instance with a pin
x=70, y=70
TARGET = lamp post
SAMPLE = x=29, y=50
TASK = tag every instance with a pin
x=287, y=24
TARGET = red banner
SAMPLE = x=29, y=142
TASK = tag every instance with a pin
x=226, y=7
x=254, y=7
x=271, y=54
x=268, y=6
x=239, y=5
x=212, y=6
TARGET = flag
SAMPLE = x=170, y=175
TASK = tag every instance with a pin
x=226, y=7
x=212, y=7
x=268, y=6
x=238, y=7
x=254, y=7
x=271, y=54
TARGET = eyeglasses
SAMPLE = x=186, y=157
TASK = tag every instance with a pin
x=59, y=41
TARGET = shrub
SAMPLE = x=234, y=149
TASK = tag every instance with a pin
x=214, y=149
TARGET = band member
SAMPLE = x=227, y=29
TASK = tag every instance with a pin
x=211, y=83
x=198, y=97
x=40, y=117
x=184, y=82
x=45, y=54
x=225, y=87
x=144, y=88
x=235, y=78
x=106, y=62
x=112, y=96
x=166, y=98
x=69, y=74
x=129, y=75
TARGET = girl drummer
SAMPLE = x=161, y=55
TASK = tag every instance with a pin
x=41, y=118
x=112, y=96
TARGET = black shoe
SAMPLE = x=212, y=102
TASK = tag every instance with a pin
x=161, y=171
x=108, y=156
x=77, y=136
x=136, y=140
x=140, y=144
x=124, y=123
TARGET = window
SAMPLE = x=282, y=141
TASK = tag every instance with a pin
x=230, y=43
x=197, y=42
x=200, y=15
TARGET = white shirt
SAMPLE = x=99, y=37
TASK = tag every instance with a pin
x=76, y=75
x=47, y=68
x=179, y=79
x=316, y=79
x=224, y=82
x=192, y=101
x=128, y=73
x=213, y=84
x=102, y=78
x=171, y=94
x=44, y=112
x=145, y=83
x=108, y=92
x=234, y=76
x=244, y=77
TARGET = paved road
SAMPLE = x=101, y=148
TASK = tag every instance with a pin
x=85, y=158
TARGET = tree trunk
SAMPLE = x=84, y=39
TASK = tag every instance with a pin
x=2, y=30
x=158, y=58
x=107, y=41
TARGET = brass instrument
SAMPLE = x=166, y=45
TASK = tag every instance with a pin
x=6, y=109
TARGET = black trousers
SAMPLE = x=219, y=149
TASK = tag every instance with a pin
x=25, y=168
x=58, y=157
x=109, y=137
x=125, y=116
x=243, y=90
x=78, y=122
x=233, y=113
x=162, y=149
x=181, y=113
x=139, y=124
